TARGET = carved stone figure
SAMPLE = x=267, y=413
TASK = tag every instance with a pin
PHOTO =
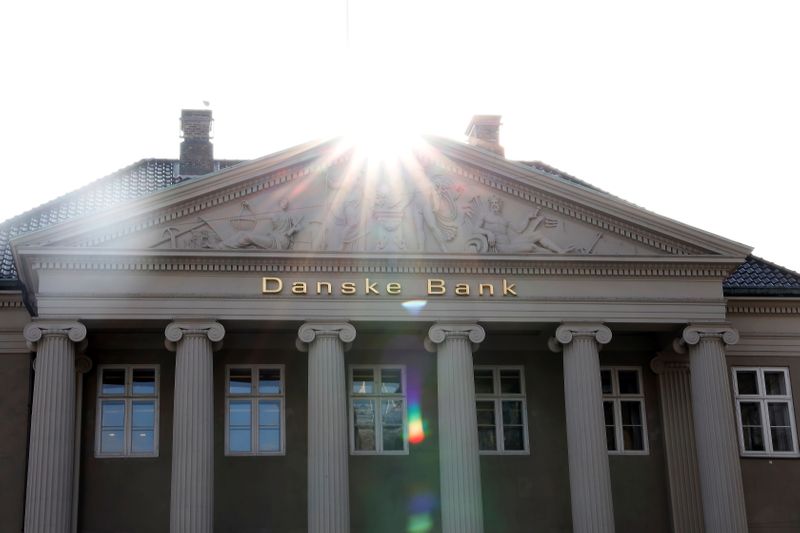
x=278, y=235
x=343, y=212
x=495, y=233
x=431, y=206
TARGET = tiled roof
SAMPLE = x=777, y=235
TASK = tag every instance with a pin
x=553, y=171
x=139, y=179
x=758, y=277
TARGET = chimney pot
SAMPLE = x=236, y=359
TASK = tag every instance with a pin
x=484, y=131
x=197, y=152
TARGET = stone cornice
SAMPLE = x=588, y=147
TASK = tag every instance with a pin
x=262, y=262
x=12, y=300
x=764, y=306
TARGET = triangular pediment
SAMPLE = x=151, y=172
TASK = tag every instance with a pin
x=448, y=198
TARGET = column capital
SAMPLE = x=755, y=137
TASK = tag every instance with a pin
x=694, y=333
x=176, y=330
x=565, y=333
x=443, y=330
x=662, y=364
x=34, y=331
x=311, y=330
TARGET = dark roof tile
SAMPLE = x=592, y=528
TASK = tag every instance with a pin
x=758, y=277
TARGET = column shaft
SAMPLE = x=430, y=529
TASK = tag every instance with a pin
x=328, y=454
x=676, y=412
x=48, y=503
x=192, y=485
x=715, y=431
x=459, y=459
x=589, y=475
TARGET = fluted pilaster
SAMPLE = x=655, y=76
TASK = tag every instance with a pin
x=192, y=487
x=459, y=461
x=589, y=476
x=328, y=477
x=715, y=428
x=676, y=413
x=48, y=502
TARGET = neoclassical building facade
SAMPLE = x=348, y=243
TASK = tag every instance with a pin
x=454, y=342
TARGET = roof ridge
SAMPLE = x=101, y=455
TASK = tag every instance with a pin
x=786, y=270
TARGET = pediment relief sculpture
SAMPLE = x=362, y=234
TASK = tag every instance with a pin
x=388, y=210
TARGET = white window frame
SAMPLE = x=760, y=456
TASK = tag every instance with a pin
x=762, y=399
x=497, y=398
x=617, y=398
x=376, y=397
x=127, y=397
x=254, y=396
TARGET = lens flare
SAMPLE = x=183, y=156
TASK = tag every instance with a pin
x=420, y=508
x=414, y=307
x=416, y=429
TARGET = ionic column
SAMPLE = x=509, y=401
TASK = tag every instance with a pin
x=676, y=412
x=459, y=462
x=589, y=476
x=192, y=486
x=715, y=429
x=328, y=483
x=48, y=502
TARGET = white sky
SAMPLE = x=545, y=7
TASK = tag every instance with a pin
x=688, y=108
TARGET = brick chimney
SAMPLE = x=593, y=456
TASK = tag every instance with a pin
x=197, y=152
x=484, y=131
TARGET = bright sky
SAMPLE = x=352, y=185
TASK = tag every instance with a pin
x=690, y=109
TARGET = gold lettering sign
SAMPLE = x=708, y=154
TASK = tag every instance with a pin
x=434, y=287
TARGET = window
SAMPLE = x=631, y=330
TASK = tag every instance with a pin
x=254, y=414
x=765, y=412
x=500, y=406
x=127, y=411
x=378, y=410
x=623, y=410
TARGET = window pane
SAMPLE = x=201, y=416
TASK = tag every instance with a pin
x=239, y=414
x=269, y=413
x=239, y=439
x=364, y=413
x=484, y=382
x=513, y=439
x=512, y=413
x=510, y=382
x=486, y=438
x=782, y=439
x=143, y=415
x=778, y=414
x=753, y=438
x=632, y=438
x=605, y=381
x=364, y=439
x=628, y=381
x=240, y=381
x=144, y=381
x=392, y=412
x=611, y=440
x=391, y=381
x=363, y=381
x=269, y=440
x=608, y=413
x=113, y=381
x=143, y=441
x=392, y=438
x=112, y=430
x=485, y=412
x=751, y=413
x=113, y=414
x=747, y=381
x=775, y=383
x=631, y=413
x=269, y=381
